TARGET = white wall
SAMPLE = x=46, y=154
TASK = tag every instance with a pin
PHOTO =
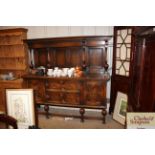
x=57, y=31
x=60, y=31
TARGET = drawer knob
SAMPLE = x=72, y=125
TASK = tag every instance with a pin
x=61, y=95
x=47, y=96
x=84, y=42
x=63, y=89
x=46, y=84
x=61, y=82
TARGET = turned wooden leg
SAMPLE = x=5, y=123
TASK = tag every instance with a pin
x=104, y=112
x=82, y=111
x=36, y=114
x=46, y=108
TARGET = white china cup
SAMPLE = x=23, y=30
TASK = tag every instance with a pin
x=50, y=72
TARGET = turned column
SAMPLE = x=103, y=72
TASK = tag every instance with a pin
x=46, y=108
x=82, y=111
x=104, y=112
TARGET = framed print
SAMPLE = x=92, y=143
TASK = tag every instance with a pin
x=140, y=120
x=20, y=105
x=120, y=108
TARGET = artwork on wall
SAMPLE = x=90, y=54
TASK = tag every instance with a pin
x=120, y=108
x=20, y=105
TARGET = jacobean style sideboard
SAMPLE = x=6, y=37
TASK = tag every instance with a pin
x=86, y=91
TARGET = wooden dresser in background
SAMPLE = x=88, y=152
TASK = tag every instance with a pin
x=13, y=58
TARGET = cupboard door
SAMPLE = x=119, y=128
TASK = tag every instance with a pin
x=122, y=61
x=96, y=56
x=95, y=93
x=74, y=56
x=60, y=57
x=147, y=93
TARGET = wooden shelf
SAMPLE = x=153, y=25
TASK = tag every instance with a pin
x=13, y=54
x=12, y=44
x=12, y=57
x=13, y=69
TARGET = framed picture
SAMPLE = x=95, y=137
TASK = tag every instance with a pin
x=140, y=120
x=20, y=105
x=120, y=108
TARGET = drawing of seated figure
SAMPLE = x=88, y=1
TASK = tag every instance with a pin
x=20, y=113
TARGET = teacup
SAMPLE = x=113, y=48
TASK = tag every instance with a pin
x=70, y=72
x=50, y=72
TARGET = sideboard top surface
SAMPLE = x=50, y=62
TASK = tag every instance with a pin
x=106, y=38
x=86, y=77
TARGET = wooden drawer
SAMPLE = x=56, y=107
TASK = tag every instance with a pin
x=71, y=85
x=63, y=85
x=54, y=84
x=63, y=92
x=72, y=98
x=59, y=97
x=54, y=97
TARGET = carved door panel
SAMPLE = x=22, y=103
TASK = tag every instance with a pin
x=72, y=98
x=96, y=56
x=74, y=56
x=39, y=90
x=95, y=93
x=54, y=92
x=71, y=91
x=55, y=97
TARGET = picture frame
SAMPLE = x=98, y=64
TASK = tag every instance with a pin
x=20, y=105
x=120, y=108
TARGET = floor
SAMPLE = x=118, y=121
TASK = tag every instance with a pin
x=69, y=118
x=93, y=120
